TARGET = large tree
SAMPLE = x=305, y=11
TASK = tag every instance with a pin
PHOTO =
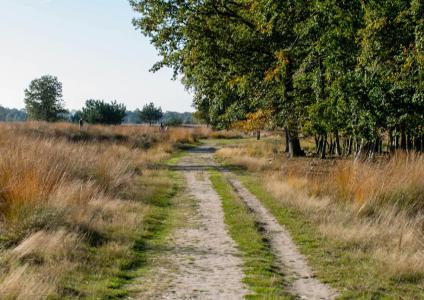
x=236, y=56
x=43, y=99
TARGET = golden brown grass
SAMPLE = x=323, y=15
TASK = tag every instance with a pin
x=375, y=207
x=63, y=192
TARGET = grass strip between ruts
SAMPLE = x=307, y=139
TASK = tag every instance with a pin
x=262, y=275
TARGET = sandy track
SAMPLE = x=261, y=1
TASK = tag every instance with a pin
x=294, y=264
x=207, y=264
x=202, y=261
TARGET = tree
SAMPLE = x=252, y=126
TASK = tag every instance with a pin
x=150, y=113
x=225, y=50
x=348, y=72
x=100, y=112
x=255, y=122
x=43, y=99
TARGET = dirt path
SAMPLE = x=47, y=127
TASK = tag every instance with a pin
x=202, y=261
x=206, y=264
x=304, y=284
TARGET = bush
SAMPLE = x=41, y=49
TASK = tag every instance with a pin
x=100, y=112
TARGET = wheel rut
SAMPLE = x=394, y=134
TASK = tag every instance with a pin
x=303, y=282
x=207, y=263
x=203, y=262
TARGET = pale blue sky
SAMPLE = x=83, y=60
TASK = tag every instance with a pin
x=90, y=45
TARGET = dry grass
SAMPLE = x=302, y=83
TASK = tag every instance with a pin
x=376, y=207
x=225, y=134
x=63, y=192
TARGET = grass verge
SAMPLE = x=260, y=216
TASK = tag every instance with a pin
x=118, y=273
x=261, y=274
x=158, y=222
x=355, y=274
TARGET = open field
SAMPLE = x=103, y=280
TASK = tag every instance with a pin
x=133, y=212
x=75, y=203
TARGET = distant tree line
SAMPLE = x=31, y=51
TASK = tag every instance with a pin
x=44, y=101
x=169, y=118
x=12, y=114
x=348, y=72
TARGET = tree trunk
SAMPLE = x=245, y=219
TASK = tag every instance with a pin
x=295, y=149
x=286, y=134
x=375, y=148
x=316, y=144
x=291, y=127
x=422, y=143
x=409, y=142
x=403, y=143
x=324, y=146
x=396, y=141
x=338, y=148
x=381, y=146
x=258, y=135
x=349, y=149
x=417, y=144
x=390, y=144
x=359, y=149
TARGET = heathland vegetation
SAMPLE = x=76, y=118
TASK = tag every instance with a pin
x=76, y=203
x=360, y=223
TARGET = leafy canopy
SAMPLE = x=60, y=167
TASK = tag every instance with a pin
x=150, y=113
x=43, y=99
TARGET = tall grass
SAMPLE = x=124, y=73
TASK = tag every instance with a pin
x=70, y=203
x=375, y=207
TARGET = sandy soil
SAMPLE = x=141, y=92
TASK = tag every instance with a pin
x=206, y=262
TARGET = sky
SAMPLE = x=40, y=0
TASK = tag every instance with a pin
x=93, y=49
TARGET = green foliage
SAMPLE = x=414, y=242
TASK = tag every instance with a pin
x=150, y=113
x=43, y=99
x=349, y=69
x=100, y=112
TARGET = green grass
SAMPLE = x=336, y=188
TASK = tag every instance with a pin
x=353, y=273
x=262, y=276
x=107, y=273
x=158, y=222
